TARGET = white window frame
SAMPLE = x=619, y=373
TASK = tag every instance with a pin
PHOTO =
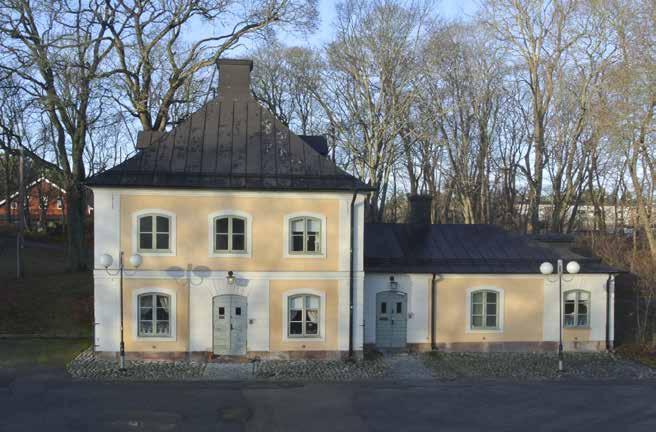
x=500, y=309
x=320, y=337
x=172, y=314
x=172, y=234
x=287, y=252
x=576, y=308
x=248, y=231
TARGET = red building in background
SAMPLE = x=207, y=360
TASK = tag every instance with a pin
x=46, y=205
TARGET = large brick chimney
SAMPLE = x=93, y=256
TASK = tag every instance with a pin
x=419, y=209
x=234, y=79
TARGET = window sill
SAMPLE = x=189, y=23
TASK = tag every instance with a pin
x=155, y=254
x=305, y=255
x=288, y=338
x=577, y=328
x=230, y=255
x=156, y=339
x=475, y=330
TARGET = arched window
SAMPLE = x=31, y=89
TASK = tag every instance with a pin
x=484, y=310
x=304, y=316
x=154, y=315
x=230, y=234
x=154, y=233
x=576, y=311
x=305, y=235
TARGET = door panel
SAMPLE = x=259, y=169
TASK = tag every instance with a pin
x=391, y=319
x=230, y=324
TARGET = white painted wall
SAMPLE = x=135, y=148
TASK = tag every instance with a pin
x=417, y=287
x=107, y=309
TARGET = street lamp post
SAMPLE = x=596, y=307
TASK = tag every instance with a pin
x=546, y=268
x=106, y=261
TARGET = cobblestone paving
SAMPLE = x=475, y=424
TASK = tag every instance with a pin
x=406, y=367
x=229, y=372
x=533, y=366
x=320, y=370
x=87, y=367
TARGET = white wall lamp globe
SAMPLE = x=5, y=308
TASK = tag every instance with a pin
x=106, y=260
x=136, y=260
x=573, y=267
x=546, y=268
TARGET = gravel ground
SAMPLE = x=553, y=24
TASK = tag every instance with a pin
x=87, y=367
x=533, y=366
x=320, y=370
x=229, y=372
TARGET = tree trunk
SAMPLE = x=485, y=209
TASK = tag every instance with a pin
x=75, y=233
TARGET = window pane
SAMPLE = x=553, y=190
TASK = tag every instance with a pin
x=295, y=315
x=146, y=314
x=162, y=224
x=569, y=307
x=477, y=321
x=238, y=226
x=383, y=307
x=399, y=307
x=162, y=327
x=583, y=308
x=491, y=321
x=238, y=311
x=491, y=297
x=477, y=309
x=163, y=301
x=297, y=243
x=568, y=321
x=145, y=301
x=296, y=328
x=238, y=243
x=491, y=308
x=145, y=241
x=312, y=302
x=312, y=243
x=298, y=226
x=221, y=310
x=162, y=314
x=311, y=328
x=163, y=241
x=222, y=225
x=312, y=315
x=296, y=302
x=146, y=327
x=314, y=226
x=583, y=320
x=222, y=242
x=146, y=224
x=477, y=297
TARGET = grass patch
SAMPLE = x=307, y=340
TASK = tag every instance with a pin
x=642, y=354
x=48, y=301
x=40, y=352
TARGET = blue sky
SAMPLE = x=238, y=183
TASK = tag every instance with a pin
x=448, y=9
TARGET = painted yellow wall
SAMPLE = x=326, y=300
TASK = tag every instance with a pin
x=277, y=289
x=523, y=309
x=267, y=213
x=182, y=330
x=576, y=335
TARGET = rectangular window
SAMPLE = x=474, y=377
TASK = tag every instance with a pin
x=230, y=234
x=484, y=310
x=304, y=314
x=154, y=315
x=305, y=235
x=154, y=233
x=576, y=309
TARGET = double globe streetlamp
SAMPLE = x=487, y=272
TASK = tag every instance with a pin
x=546, y=268
x=106, y=261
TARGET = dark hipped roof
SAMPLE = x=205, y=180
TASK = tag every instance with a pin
x=230, y=143
x=482, y=249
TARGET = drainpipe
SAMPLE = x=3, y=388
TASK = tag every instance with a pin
x=433, y=321
x=609, y=309
x=351, y=293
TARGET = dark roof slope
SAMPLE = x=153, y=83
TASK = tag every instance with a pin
x=410, y=248
x=229, y=144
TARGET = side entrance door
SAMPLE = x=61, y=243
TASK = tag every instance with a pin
x=229, y=313
x=391, y=319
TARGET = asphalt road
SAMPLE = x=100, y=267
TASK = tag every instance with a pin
x=48, y=401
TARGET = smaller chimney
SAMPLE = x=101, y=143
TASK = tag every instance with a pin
x=234, y=78
x=419, y=209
